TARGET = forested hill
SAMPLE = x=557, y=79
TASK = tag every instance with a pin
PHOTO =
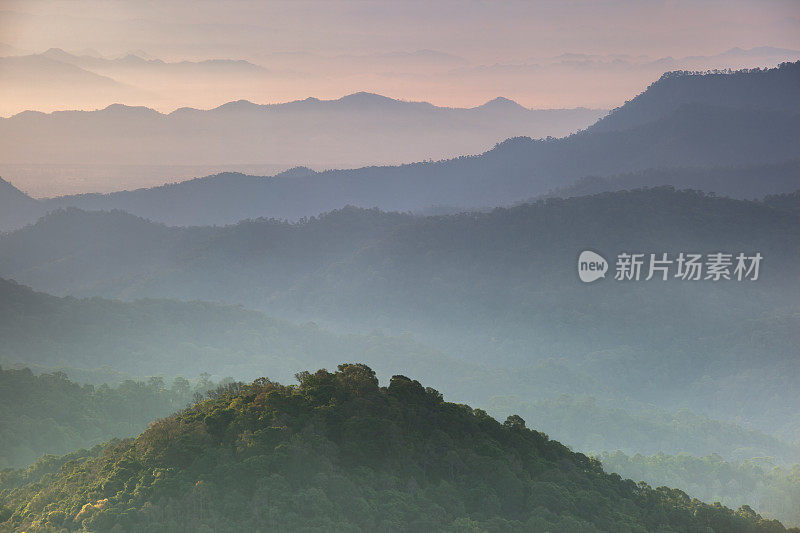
x=339, y=452
x=772, y=89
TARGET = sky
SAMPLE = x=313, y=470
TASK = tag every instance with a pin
x=543, y=54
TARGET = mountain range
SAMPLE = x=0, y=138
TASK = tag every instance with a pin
x=310, y=131
x=541, y=80
x=671, y=125
x=356, y=130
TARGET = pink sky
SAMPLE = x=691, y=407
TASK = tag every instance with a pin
x=473, y=50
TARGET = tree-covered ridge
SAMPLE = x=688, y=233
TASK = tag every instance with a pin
x=340, y=453
x=768, y=488
x=51, y=414
x=767, y=89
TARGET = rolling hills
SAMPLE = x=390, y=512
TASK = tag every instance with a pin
x=87, y=338
x=496, y=288
x=340, y=452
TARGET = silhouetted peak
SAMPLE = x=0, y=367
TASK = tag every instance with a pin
x=502, y=103
x=238, y=105
x=57, y=53
x=122, y=108
x=28, y=113
x=365, y=98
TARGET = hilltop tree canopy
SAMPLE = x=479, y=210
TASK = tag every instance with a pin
x=340, y=452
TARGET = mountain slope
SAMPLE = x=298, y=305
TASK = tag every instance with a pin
x=16, y=207
x=765, y=89
x=339, y=452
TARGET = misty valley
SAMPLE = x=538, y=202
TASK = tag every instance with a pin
x=420, y=322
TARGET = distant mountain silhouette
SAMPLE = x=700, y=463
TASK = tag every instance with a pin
x=700, y=136
x=355, y=130
x=690, y=134
x=45, y=68
x=41, y=78
x=137, y=60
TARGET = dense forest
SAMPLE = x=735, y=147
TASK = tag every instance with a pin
x=339, y=452
x=49, y=414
